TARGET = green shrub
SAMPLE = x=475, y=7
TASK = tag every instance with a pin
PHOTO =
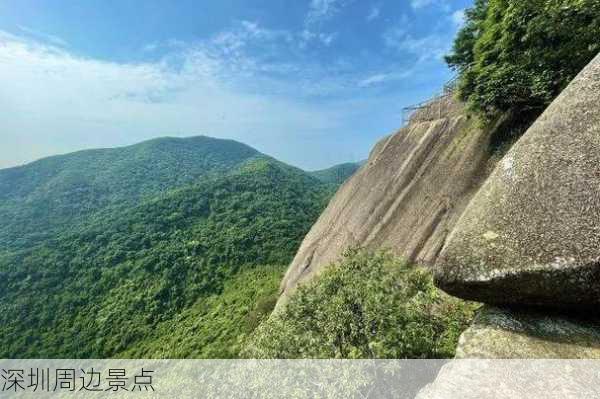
x=370, y=305
x=517, y=56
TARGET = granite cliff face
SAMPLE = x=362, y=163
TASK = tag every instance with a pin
x=524, y=237
x=408, y=195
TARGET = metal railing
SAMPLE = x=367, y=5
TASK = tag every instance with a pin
x=447, y=91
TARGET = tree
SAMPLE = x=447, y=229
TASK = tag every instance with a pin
x=517, y=56
x=462, y=55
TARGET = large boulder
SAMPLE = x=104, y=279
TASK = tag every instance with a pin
x=531, y=235
x=515, y=379
x=406, y=198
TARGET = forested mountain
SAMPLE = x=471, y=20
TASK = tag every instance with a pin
x=145, y=243
x=337, y=174
x=37, y=198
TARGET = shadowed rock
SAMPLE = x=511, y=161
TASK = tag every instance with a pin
x=407, y=197
x=531, y=235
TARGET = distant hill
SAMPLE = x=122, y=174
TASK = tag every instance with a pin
x=113, y=253
x=337, y=174
x=37, y=198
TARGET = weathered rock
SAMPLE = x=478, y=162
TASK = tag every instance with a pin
x=531, y=235
x=406, y=198
x=522, y=353
x=520, y=334
x=515, y=379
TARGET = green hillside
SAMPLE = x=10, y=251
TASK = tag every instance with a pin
x=152, y=259
x=49, y=194
x=216, y=326
x=337, y=174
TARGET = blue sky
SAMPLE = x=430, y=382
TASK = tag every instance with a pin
x=311, y=82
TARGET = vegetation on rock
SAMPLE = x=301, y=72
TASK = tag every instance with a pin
x=516, y=56
x=370, y=305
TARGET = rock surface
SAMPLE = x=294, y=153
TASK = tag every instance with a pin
x=515, y=379
x=406, y=198
x=519, y=353
x=503, y=334
x=531, y=235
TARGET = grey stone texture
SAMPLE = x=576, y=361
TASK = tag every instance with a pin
x=531, y=235
x=406, y=198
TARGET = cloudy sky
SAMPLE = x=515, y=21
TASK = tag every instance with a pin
x=311, y=82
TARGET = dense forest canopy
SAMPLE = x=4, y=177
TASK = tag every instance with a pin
x=337, y=174
x=40, y=199
x=124, y=278
x=517, y=56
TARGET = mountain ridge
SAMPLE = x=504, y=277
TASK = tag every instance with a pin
x=44, y=196
x=99, y=285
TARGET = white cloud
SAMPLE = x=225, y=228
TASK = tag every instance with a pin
x=387, y=77
x=418, y=4
x=430, y=47
x=248, y=83
x=150, y=47
x=322, y=10
x=245, y=32
x=374, y=13
x=373, y=80
x=327, y=38
x=52, y=39
x=307, y=36
x=54, y=101
x=396, y=34
x=458, y=18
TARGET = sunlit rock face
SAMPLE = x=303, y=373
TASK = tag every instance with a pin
x=406, y=198
x=531, y=235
